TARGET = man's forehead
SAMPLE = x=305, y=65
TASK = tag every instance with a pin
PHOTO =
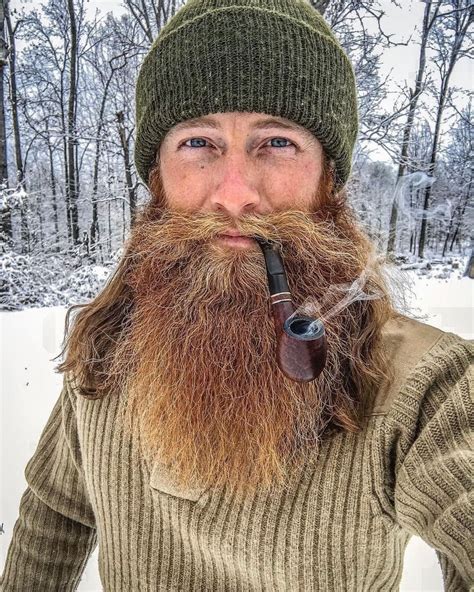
x=260, y=122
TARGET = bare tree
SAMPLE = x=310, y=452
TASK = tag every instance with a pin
x=431, y=12
x=72, y=180
x=11, y=28
x=459, y=172
x=51, y=67
x=3, y=132
x=45, y=72
x=151, y=16
x=359, y=27
x=6, y=233
x=14, y=100
x=450, y=35
x=125, y=136
x=54, y=194
x=109, y=56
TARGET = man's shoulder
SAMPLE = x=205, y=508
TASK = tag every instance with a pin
x=406, y=341
x=407, y=338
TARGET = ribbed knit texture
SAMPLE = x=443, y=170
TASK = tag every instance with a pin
x=342, y=524
x=267, y=56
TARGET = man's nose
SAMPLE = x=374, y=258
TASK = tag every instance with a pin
x=235, y=193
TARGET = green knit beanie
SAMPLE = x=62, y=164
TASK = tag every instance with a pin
x=267, y=56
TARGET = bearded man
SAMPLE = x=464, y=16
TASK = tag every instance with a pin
x=178, y=443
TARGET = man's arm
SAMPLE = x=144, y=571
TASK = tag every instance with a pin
x=430, y=426
x=55, y=531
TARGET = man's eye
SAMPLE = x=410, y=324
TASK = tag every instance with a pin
x=201, y=143
x=279, y=142
x=194, y=140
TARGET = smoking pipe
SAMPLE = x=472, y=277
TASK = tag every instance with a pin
x=301, y=340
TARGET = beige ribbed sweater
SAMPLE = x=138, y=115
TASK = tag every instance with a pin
x=342, y=525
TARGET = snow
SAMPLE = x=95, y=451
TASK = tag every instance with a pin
x=440, y=294
x=45, y=280
x=31, y=338
x=447, y=305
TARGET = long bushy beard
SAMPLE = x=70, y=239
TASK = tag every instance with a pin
x=197, y=364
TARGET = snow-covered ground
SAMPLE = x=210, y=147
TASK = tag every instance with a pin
x=29, y=389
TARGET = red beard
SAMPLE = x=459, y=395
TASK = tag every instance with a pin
x=196, y=362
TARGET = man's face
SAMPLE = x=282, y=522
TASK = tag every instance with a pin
x=240, y=163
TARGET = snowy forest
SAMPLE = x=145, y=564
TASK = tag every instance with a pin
x=69, y=191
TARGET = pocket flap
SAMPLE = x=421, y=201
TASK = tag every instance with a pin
x=162, y=479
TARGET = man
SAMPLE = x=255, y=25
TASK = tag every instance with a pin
x=177, y=443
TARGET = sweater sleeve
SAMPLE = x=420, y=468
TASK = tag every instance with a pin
x=55, y=533
x=431, y=457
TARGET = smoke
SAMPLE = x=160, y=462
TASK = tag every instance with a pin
x=405, y=192
x=339, y=297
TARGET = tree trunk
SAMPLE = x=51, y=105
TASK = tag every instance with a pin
x=20, y=174
x=446, y=238
x=14, y=98
x=94, y=230
x=6, y=231
x=461, y=216
x=320, y=5
x=431, y=167
x=124, y=219
x=462, y=23
x=428, y=21
x=125, y=142
x=109, y=246
x=53, y=188
x=39, y=209
x=3, y=131
x=71, y=126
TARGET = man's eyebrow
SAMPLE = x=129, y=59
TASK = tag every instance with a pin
x=262, y=124
x=286, y=125
x=195, y=122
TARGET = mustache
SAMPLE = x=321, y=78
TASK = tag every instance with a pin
x=176, y=226
x=173, y=234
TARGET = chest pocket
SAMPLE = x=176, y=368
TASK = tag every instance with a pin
x=162, y=480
